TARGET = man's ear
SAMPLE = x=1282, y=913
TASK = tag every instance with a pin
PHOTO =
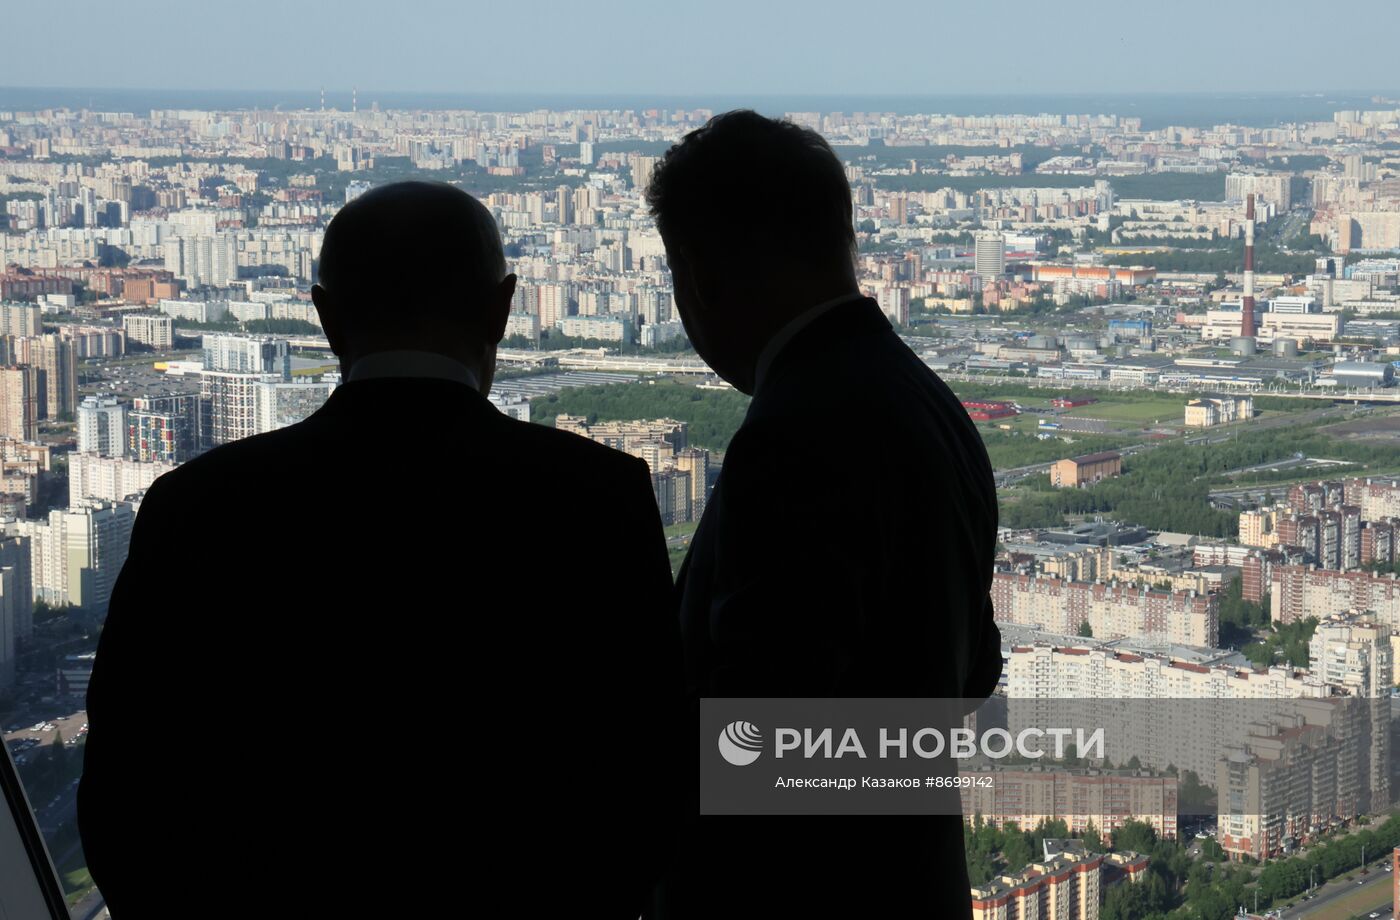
x=329, y=310
x=498, y=310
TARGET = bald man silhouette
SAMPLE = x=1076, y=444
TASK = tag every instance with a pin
x=387, y=660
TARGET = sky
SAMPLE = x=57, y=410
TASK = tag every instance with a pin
x=661, y=47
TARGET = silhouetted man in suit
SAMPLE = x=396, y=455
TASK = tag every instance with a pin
x=847, y=548
x=406, y=655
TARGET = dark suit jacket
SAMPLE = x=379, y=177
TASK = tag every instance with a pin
x=407, y=655
x=846, y=551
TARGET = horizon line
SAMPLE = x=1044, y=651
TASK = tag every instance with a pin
x=1302, y=92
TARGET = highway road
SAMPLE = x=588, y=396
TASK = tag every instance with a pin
x=1329, y=895
x=1212, y=436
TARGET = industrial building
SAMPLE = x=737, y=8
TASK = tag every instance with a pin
x=1363, y=374
x=1075, y=472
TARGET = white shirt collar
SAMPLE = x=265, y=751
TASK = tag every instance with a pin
x=406, y=362
x=786, y=334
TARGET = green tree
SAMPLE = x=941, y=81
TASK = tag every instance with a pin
x=1016, y=850
x=1093, y=840
x=711, y=415
x=1135, y=835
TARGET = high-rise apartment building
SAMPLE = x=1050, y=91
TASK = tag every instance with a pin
x=679, y=474
x=58, y=379
x=16, y=604
x=1286, y=781
x=642, y=167
x=894, y=303
x=93, y=341
x=228, y=406
x=672, y=490
x=696, y=464
x=102, y=426
x=153, y=330
x=564, y=204
x=555, y=303
x=1081, y=797
x=19, y=402
x=1111, y=610
x=1300, y=591
x=163, y=428
x=248, y=354
x=1355, y=652
x=989, y=255
x=279, y=403
x=203, y=260
x=1123, y=687
x=1061, y=885
x=91, y=475
x=20, y=319
x=77, y=553
x=1276, y=189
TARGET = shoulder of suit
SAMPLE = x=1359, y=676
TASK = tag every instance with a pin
x=243, y=451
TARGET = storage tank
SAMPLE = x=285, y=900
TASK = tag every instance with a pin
x=1081, y=343
x=1242, y=345
x=1286, y=348
x=1040, y=341
x=1363, y=374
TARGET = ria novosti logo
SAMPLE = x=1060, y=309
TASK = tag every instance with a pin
x=740, y=743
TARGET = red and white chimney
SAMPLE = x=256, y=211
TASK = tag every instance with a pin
x=1247, y=305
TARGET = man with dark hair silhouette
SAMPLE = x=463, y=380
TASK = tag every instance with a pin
x=405, y=655
x=847, y=548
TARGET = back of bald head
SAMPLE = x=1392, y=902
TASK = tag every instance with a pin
x=410, y=253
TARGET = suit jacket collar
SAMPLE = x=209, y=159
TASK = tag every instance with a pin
x=860, y=316
x=410, y=362
x=790, y=331
x=407, y=394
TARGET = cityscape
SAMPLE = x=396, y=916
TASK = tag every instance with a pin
x=1179, y=341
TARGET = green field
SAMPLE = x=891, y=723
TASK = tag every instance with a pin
x=76, y=880
x=315, y=371
x=1144, y=410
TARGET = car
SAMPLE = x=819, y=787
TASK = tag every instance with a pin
x=1373, y=915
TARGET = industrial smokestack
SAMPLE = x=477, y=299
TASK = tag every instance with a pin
x=1247, y=329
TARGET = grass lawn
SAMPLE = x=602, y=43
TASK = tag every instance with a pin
x=76, y=880
x=314, y=371
x=1147, y=410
